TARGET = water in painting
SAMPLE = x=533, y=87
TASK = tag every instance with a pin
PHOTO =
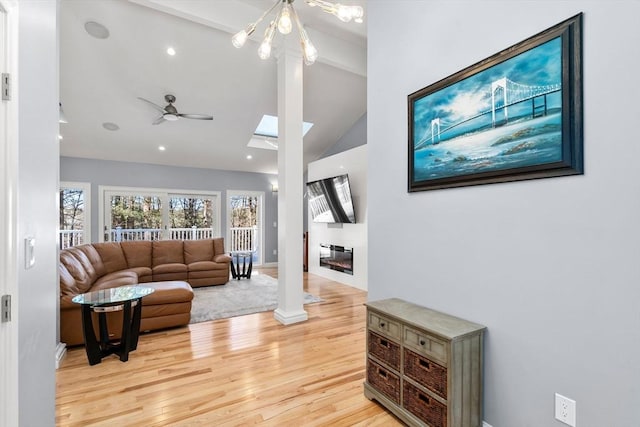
x=505, y=117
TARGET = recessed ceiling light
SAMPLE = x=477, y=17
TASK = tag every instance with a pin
x=171, y=51
x=96, y=30
x=162, y=148
x=249, y=157
x=110, y=126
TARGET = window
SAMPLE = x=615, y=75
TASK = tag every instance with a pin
x=156, y=214
x=75, y=213
x=245, y=223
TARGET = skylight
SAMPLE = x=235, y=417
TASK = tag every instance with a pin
x=268, y=126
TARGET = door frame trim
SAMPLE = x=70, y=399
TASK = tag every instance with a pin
x=8, y=218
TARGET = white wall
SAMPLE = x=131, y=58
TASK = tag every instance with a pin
x=549, y=266
x=37, y=296
x=354, y=137
x=354, y=163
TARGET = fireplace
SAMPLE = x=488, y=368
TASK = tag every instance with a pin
x=336, y=258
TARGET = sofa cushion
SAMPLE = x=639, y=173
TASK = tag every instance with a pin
x=112, y=256
x=167, y=252
x=68, y=285
x=115, y=279
x=168, y=293
x=173, y=271
x=198, y=250
x=144, y=273
x=222, y=258
x=137, y=253
x=218, y=245
x=82, y=278
x=94, y=258
x=207, y=266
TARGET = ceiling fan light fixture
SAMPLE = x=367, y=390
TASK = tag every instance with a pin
x=170, y=113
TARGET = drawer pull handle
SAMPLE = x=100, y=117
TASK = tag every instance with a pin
x=422, y=342
x=384, y=343
x=424, y=364
x=382, y=324
x=382, y=373
x=424, y=398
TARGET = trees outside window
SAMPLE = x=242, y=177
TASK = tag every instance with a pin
x=74, y=214
x=154, y=214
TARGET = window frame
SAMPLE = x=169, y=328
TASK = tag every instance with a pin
x=165, y=194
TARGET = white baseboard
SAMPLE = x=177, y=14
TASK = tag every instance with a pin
x=61, y=352
x=486, y=424
x=289, y=318
x=269, y=264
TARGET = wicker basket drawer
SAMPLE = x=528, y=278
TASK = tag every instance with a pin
x=423, y=406
x=383, y=325
x=426, y=344
x=384, y=350
x=383, y=380
x=426, y=372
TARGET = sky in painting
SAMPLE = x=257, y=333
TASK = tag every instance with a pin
x=539, y=66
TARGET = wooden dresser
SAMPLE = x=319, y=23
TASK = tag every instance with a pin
x=423, y=365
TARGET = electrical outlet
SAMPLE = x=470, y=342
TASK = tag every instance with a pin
x=275, y=252
x=566, y=410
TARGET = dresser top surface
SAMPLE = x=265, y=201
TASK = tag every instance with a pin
x=443, y=324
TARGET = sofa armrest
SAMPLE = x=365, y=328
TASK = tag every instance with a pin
x=222, y=258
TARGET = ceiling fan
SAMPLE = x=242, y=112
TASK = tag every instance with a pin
x=170, y=112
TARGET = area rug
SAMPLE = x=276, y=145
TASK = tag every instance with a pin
x=237, y=298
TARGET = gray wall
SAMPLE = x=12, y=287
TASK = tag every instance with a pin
x=354, y=137
x=104, y=172
x=35, y=304
x=549, y=266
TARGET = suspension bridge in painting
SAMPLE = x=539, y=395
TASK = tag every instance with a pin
x=504, y=93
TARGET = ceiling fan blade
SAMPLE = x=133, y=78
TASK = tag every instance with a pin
x=156, y=106
x=196, y=116
x=158, y=120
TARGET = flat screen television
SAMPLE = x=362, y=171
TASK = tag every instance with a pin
x=330, y=200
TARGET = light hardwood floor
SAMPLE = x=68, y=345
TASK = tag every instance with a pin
x=233, y=372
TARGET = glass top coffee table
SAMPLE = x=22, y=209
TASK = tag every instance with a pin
x=126, y=299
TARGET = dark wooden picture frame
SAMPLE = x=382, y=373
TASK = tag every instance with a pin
x=514, y=116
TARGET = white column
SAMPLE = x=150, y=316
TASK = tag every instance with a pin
x=290, y=276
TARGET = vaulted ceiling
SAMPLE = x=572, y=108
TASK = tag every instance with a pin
x=101, y=80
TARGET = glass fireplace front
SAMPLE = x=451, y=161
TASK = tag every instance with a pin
x=336, y=258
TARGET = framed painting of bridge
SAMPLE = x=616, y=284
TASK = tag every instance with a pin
x=514, y=116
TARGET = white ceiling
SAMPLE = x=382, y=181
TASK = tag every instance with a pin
x=100, y=80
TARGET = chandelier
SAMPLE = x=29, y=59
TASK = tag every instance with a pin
x=284, y=23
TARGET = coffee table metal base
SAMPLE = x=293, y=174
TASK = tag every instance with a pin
x=98, y=349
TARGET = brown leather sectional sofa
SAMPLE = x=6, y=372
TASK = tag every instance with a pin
x=164, y=264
